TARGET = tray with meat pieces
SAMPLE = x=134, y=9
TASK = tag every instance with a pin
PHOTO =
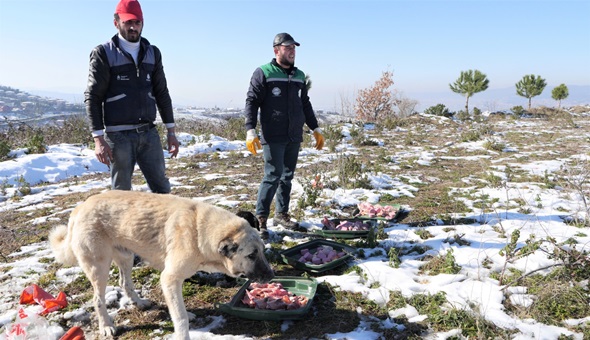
x=318, y=255
x=283, y=298
x=345, y=228
x=382, y=212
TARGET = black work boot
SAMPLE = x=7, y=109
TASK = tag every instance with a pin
x=285, y=220
x=263, y=230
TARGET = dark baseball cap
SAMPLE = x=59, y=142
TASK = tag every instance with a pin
x=284, y=39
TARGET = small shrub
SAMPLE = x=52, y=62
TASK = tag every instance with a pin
x=333, y=136
x=494, y=180
x=423, y=233
x=370, y=241
x=493, y=145
x=350, y=170
x=312, y=189
x=4, y=150
x=517, y=110
x=439, y=110
x=36, y=143
x=394, y=260
x=72, y=130
x=381, y=234
x=470, y=136
x=3, y=186
x=23, y=186
x=558, y=302
x=442, y=264
x=477, y=116
x=391, y=122
x=428, y=304
x=462, y=115
x=458, y=239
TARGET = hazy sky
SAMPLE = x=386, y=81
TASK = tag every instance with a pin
x=210, y=48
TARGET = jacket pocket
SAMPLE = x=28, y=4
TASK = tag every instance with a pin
x=115, y=98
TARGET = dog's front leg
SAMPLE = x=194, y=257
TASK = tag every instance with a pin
x=172, y=290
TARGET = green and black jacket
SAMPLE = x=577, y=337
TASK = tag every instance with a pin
x=281, y=95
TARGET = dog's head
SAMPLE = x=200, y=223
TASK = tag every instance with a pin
x=243, y=253
x=252, y=220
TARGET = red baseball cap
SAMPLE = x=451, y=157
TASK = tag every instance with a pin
x=129, y=10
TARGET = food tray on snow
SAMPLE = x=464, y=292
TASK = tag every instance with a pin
x=301, y=256
x=298, y=287
x=382, y=212
x=360, y=229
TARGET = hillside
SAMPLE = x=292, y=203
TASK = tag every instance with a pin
x=493, y=241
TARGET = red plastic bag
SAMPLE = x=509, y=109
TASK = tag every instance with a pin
x=75, y=333
x=34, y=294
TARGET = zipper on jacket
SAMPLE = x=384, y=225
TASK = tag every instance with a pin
x=289, y=104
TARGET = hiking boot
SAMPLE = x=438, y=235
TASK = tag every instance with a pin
x=285, y=220
x=262, y=224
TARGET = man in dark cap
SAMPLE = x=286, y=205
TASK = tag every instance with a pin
x=279, y=90
x=125, y=86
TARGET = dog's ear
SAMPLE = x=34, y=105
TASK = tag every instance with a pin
x=228, y=248
x=248, y=216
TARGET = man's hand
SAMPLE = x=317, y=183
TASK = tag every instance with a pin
x=319, y=138
x=102, y=150
x=252, y=141
x=173, y=144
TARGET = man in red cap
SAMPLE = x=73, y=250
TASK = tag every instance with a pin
x=126, y=86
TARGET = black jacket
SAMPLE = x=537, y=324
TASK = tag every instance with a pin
x=120, y=92
x=281, y=95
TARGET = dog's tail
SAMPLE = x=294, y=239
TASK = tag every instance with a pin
x=58, y=239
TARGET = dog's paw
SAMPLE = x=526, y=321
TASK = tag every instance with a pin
x=108, y=331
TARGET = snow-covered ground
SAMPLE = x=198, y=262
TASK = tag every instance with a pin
x=472, y=286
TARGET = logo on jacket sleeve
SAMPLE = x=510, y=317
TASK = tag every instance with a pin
x=276, y=91
x=122, y=77
x=148, y=78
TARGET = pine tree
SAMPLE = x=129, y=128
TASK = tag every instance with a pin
x=559, y=92
x=530, y=86
x=469, y=83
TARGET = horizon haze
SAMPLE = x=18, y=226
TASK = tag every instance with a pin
x=211, y=48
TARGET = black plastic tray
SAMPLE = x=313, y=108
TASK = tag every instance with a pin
x=291, y=256
x=296, y=285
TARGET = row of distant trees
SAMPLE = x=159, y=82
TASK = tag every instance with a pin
x=473, y=81
x=377, y=101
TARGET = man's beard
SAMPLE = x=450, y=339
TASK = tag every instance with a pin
x=132, y=38
x=284, y=61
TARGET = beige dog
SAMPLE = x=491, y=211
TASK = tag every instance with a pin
x=178, y=236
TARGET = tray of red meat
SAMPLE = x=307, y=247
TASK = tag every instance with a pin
x=345, y=228
x=283, y=298
x=317, y=256
x=385, y=212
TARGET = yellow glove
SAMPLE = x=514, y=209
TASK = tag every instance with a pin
x=252, y=141
x=319, y=138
